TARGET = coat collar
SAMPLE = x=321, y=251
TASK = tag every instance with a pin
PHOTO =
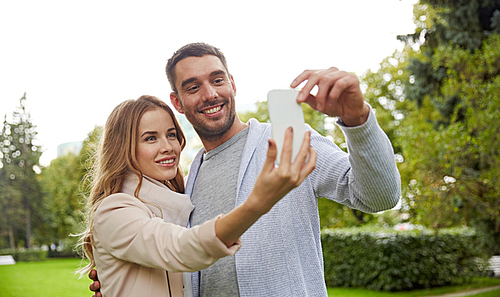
x=175, y=207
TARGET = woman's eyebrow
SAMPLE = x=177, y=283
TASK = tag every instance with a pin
x=149, y=132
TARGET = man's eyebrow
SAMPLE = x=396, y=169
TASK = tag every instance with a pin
x=218, y=72
x=188, y=81
x=191, y=79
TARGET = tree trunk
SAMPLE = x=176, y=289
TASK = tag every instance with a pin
x=11, y=237
x=28, y=228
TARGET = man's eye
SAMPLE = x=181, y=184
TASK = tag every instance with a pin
x=192, y=89
x=218, y=80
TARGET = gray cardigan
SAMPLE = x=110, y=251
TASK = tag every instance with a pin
x=281, y=253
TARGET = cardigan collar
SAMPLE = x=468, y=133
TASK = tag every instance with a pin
x=256, y=132
x=175, y=207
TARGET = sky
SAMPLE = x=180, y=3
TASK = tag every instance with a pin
x=77, y=60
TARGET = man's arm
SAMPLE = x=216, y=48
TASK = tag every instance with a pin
x=367, y=178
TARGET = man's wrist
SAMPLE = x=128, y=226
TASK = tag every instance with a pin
x=357, y=121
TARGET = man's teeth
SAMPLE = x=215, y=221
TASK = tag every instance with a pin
x=167, y=161
x=212, y=110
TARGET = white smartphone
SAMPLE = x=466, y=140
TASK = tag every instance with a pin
x=284, y=112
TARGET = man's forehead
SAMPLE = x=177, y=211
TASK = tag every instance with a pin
x=198, y=66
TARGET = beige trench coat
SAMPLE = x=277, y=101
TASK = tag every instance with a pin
x=134, y=247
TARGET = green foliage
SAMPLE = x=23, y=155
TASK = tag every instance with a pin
x=261, y=114
x=61, y=185
x=19, y=158
x=25, y=255
x=51, y=201
x=448, y=136
x=335, y=215
x=463, y=23
x=395, y=261
x=65, y=187
x=11, y=210
x=385, y=91
x=89, y=148
x=66, y=253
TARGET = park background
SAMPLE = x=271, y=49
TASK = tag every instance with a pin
x=430, y=70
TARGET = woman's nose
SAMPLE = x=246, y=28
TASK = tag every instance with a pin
x=165, y=146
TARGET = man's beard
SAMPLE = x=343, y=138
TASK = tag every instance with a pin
x=212, y=133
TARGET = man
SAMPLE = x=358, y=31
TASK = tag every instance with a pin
x=281, y=253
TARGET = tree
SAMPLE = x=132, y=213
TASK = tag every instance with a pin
x=10, y=204
x=20, y=159
x=86, y=157
x=448, y=137
x=61, y=187
x=64, y=188
x=464, y=24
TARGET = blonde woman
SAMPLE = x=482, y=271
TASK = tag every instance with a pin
x=136, y=236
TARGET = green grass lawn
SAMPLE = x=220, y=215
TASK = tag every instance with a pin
x=55, y=277
x=475, y=284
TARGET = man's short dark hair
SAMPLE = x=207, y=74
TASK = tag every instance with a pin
x=198, y=49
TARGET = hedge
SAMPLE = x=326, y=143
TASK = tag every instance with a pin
x=67, y=253
x=399, y=261
x=25, y=255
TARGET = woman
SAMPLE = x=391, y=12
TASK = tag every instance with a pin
x=136, y=218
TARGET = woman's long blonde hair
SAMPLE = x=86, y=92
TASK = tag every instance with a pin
x=116, y=157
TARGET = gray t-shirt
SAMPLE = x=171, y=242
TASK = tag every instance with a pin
x=214, y=192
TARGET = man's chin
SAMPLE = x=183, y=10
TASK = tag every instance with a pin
x=214, y=131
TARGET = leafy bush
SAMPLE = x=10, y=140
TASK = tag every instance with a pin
x=25, y=255
x=67, y=253
x=395, y=261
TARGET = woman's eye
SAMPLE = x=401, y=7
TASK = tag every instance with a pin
x=172, y=135
x=150, y=138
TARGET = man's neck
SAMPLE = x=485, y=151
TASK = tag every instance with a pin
x=237, y=127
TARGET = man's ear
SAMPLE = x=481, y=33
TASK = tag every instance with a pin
x=233, y=85
x=176, y=103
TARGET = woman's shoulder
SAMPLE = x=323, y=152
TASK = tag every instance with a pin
x=121, y=200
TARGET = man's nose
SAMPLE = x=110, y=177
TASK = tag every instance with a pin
x=209, y=93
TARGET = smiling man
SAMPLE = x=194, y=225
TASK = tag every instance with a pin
x=207, y=94
x=281, y=253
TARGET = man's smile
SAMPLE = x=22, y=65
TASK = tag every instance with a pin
x=212, y=110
